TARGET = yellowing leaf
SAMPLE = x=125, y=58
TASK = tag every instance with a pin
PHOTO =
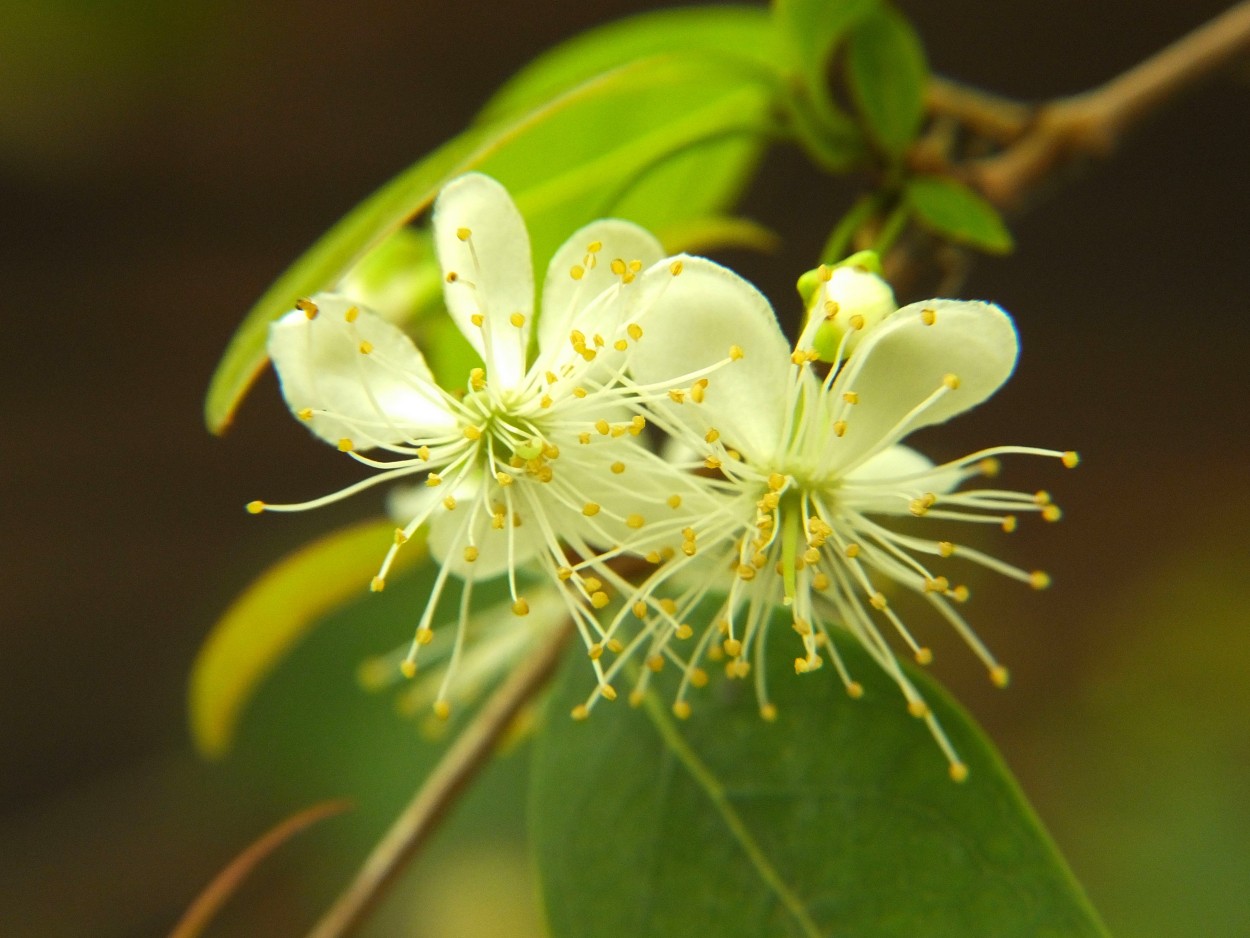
x=273, y=614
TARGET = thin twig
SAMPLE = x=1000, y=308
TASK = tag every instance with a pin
x=1092, y=124
x=467, y=755
x=208, y=903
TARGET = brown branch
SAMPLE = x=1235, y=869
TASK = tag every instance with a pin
x=1092, y=124
x=467, y=755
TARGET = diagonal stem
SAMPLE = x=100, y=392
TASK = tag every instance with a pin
x=466, y=757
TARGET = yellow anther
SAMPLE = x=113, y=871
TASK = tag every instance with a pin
x=452, y=276
x=595, y=651
x=577, y=272
x=580, y=712
x=1009, y=523
x=442, y=709
x=839, y=428
x=408, y=669
x=579, y=392
x=937, y=585
x=945, y=548
x=400, y=537
x=637, y=424
x=681, y=710
x=634, y=521
x=346, y=445
x=634, y=330
x=425, y=635
x=670, y=607
x=305, y=414
x=590, y=509
x=712, y=462
x=917, y=708
x=958, y=772
x=620, y=345
x=603, y=426
x=698, y=392
x=1039, y=579
x=517, y=319
x=470, y=554
x=924, y=656
x=477, y=378
x=617, y=267
x=674, y=501
x=521, y=607
x=683, y=631
x=877, y=600
x=377, y=584
x=607, y=691
x=832, y=308
x=307, y=307
x=855, y=690
x=449, y=503
x=615, y=646
x=928, y=316
x=477, y=319
x=698, y=677
x=365, y=348
x=801, y=666
x=255, y=507
x=820, y=581
x=825, y=273
x=463, y=234
x=1052, y=513
x=639, y=609
x=712, y=435
x=675, y=268
x=960, y=593
x=599, y=599
x=746, y=571
x=989, y=467
x=583, y=437
x=503, y=478
x=1000, y=676
x=798, y=358
x=736, y=353
x=852, y=551
x=733, y=647
x=1041, y=497
x=635, y=266
x=950, y=380
x=811, y=556
x=423, y=452
x=918, y=507
x=851, y=397
x=857, y=322
x=594, y=247
x=563, y=573
x=472, y=433
x=592, y=583
x=677, y=395
x=352, y=314
x=1070, y=459
x=656, y=663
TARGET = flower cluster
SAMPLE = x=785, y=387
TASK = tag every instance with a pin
x=649, y=454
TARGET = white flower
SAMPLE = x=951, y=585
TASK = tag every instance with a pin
x=812, y=478
x=538, y=463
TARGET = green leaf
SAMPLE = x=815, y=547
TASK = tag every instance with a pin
x=745, y=33
x=812, y=30
x=886, y=71
x=954, y=211
x=836, y=819
x=594, y=150
x=273, y=614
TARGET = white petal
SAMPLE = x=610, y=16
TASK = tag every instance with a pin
x=691, y=321
x=481, y=239
x=386, y=395
x=900, y=369
x=564, y=297
x=887, y=482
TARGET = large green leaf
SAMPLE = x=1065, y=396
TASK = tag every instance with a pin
x=273, y=614
x=954, y=211
x=568, y=161
x=886, y=71
x=837, y=819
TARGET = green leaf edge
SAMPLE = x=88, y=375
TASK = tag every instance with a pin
x=997, y=237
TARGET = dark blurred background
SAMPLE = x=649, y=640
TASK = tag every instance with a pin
x=160, y=164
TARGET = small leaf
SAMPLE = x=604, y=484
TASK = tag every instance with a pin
x=716, y=233
x=836, y=819
x=583, y=154
x=954, y=211
x=886, y=71
x=273, y=614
